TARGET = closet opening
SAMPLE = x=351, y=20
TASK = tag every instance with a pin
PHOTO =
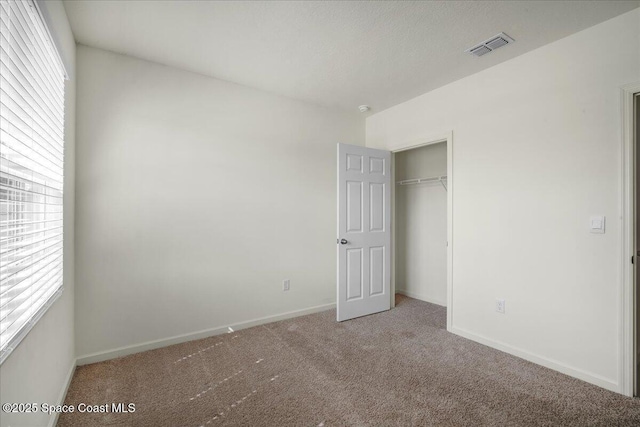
x=421, y=235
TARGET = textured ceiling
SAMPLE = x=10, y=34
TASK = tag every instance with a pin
x=337, y=54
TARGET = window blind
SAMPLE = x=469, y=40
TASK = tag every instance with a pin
x=31, y=170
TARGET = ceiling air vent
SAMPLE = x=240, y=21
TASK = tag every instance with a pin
x=490, y=44
x=480, y=50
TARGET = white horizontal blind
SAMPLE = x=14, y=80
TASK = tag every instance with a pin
x=31, y=170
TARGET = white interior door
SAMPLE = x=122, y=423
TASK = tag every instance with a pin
x=364, y=231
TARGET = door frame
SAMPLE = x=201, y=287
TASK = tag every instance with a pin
x=417, y=143
x=628, y=288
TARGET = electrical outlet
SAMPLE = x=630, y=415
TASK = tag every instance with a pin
x=286, y=285
x=500, y=306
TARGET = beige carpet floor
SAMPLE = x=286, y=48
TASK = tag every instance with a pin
x=398, y=368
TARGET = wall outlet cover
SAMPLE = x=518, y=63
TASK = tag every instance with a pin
x=597, y=224
x=500, y=306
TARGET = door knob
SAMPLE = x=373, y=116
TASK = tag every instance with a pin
x=343, y=241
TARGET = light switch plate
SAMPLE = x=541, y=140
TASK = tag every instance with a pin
x=597, y=224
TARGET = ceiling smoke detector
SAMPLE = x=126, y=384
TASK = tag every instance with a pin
x=491, y=44
x=364, y=108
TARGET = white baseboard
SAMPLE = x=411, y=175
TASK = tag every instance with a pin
x=422, y=297
x=63, y=393
x=150, y=345
x=540, y=360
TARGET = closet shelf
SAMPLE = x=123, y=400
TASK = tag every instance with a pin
x=441, y=179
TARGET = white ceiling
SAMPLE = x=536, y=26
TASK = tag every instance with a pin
x=337, y=54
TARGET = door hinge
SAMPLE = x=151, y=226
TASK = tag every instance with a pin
x=632, y=260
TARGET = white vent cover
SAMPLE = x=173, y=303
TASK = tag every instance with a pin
x=491, y=44
x=480, y=50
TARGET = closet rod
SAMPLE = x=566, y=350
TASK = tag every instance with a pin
x=441, y=179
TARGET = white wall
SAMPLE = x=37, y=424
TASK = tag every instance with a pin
x=39, y=368
x=196, y=198
x=421, y=225
x=536, y=151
